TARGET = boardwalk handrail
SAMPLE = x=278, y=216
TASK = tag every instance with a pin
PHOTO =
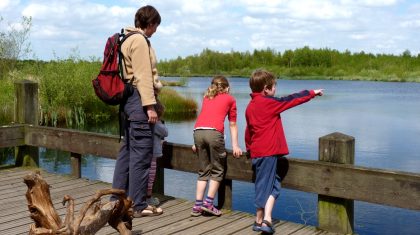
x=387, y=187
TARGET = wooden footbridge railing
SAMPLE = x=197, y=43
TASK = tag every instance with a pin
x=334, y=177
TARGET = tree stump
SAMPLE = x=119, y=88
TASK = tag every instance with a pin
x=91, y=218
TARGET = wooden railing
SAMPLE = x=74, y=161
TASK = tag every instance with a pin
x=334, y=177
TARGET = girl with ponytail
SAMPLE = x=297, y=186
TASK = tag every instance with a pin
x=209, y=142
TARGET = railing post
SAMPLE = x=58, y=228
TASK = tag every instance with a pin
x=158, y=185
x=336, y=214
x=26, y=112
x=224, y=195
x=76, y=164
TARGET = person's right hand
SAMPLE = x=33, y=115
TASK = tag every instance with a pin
x=237, y=152
x=151, y=113
x=319, y=92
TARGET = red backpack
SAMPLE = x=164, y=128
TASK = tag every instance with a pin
x=110, y=85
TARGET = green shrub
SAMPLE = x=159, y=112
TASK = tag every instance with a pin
x=177, y=107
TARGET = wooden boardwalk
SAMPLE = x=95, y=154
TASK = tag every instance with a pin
x=14, y=214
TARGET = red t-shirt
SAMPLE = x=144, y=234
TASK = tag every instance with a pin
x=264, y=135
x=214, y=111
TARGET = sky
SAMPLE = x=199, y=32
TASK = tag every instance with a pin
x=81, y=27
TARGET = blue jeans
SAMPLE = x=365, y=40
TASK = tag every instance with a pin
x=134, y=159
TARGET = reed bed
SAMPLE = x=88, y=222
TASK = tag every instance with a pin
x=66, y=95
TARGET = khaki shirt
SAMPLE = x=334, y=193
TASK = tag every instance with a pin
x=140, y=63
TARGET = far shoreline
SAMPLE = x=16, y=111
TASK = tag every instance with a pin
x=311, y=78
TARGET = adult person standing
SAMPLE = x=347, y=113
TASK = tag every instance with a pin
x=133, y=163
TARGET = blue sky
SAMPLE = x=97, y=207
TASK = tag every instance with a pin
x=61, y=28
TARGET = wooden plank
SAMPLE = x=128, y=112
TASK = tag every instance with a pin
x=75, y=141
x=56, y=192
x=213, y=224
x=169, y=220
x=183, y=221
x=10, y=188
x=170, y=208
x=249, y=231
x=21, y=205
x=22, y=224
x=236, y=227
x=59, y=185
x=12, y=180
x=81, y=195
x=11, y=136
x=22, y=210
x=287, y=228
x=14, y=170
x=394, y=188
x=309, y=230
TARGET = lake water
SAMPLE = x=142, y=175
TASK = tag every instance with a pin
x=384, y=118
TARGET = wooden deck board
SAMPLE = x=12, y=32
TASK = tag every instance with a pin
x=56, y=193
x=214, y=224
x=235, y=227
x=176, y=219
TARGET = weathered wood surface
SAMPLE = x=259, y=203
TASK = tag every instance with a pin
x=26, y=102
x=336, y=214
x=12, y=136
x=82, y=142
x=14, y=216
x=387, y=187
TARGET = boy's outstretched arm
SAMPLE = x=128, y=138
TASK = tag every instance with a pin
x=237, y=152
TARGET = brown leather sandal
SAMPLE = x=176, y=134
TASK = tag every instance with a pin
x=151, y=211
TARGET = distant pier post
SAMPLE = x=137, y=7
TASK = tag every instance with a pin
x=336, y=214
x=26, y=112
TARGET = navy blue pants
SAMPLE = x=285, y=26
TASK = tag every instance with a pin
x=134, y=159
x=267, y=182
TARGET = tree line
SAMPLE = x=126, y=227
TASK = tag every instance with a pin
x=303, y=62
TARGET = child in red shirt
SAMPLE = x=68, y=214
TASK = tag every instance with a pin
x=209, y=142
x=265, y=140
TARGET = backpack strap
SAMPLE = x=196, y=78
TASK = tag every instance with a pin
x=122, y=119
x=121, y=56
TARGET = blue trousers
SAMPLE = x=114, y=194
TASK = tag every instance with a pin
x=267, y=182
x=134, y=159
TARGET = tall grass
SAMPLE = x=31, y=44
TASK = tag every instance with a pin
x=177, y=107
x=6, y=100
x=66, y=95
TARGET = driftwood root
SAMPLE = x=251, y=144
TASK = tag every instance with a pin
x=91, y=218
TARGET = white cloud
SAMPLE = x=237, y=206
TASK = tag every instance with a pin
x=372, y=3
x=199, y=6
x=359, y=36
x=189, y=26
x=411, y=24
x=171, y=29
x=215, y=43
x=4, y=4
x=251, y=21
x=324, y=10
x=257, y=41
